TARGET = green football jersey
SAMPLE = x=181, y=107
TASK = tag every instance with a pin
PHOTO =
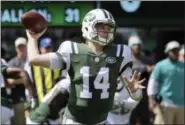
x=93, y=80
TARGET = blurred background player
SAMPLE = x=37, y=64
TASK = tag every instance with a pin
x=11, y=77
x=18, y=92
x=167, y=81
x=54, y=102
x=181, y=54
x=123, y=106
x=44, y=78
x=6, y=103
x=143, y=64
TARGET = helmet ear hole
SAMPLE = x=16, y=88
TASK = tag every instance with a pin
x=86, y=28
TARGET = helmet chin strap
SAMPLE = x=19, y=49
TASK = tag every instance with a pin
x=101, y=41
x=104, y=41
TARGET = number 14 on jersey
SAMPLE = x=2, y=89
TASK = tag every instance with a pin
x=101, y=82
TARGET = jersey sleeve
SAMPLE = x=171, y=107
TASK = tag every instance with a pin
x=126, y=65
x=61, y=59
x=156, y=74
x=128, y=102
x=154, y=81
x=126, y=70
x=62, y=84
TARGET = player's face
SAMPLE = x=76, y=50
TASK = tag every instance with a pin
x=21, y=50
x=104, y=30
x=174, y=54
x=136, y=48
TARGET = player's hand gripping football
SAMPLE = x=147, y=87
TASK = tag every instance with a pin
x=33, y=36
x=134, y=83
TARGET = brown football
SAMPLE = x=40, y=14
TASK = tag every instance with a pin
x=34, y=21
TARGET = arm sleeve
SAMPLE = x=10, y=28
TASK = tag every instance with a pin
x=156, y=74
x=62, y=84
x=130, y=103
x=126, y=70
x=4, y=62
x=65, y=83
x=65, y=74
x=127, y=61
x=154, y=81
x=61, y=58
x=55, y=61
x=152, y=87
x=126, y=100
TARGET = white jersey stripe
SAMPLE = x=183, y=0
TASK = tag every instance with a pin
x=75, y=48
x=127, y=52
x=118, y=50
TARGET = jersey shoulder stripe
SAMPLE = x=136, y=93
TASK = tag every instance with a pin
x=123, y=51
x=126, y=52
x=118, y=52
x=74, y=47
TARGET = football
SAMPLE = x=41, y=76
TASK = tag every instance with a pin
x=34, y=22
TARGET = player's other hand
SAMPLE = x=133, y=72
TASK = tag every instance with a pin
x=33, y=36
x=134, y=83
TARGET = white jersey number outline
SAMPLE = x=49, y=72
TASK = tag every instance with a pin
x=101, y=82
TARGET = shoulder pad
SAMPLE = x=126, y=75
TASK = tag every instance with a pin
x=65, y=47
x=123, y=51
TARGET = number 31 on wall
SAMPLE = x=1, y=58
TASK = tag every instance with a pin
x=130, y=6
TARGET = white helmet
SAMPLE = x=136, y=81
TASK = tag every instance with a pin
x=91, y=19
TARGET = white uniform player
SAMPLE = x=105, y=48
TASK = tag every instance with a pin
x=6, y=111
x=61, y=83
x=123, y=106
x=65, y=84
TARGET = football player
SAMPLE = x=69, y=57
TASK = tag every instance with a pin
x=93, y=68
x=123, y=106
x=51, y=104
x=9, y=78
x=6, y=107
